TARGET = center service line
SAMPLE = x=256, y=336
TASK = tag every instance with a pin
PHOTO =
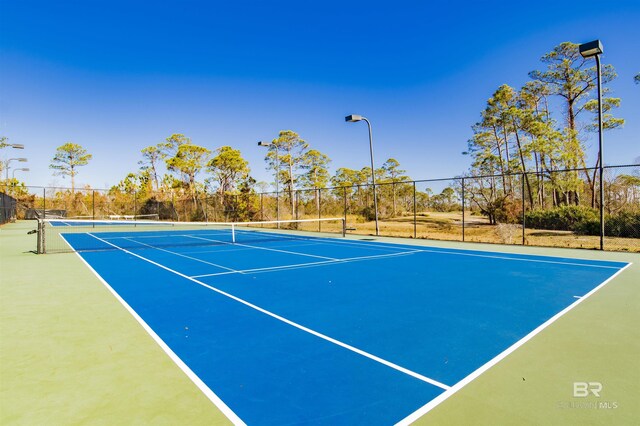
x=287, y=321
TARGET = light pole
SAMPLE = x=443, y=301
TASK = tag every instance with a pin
x=22, y=160
x=352, y=119
x=268, y=144
x=589, y=50
x=13, y=174
x=16, y=145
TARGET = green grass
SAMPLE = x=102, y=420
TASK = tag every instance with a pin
x=70, y=353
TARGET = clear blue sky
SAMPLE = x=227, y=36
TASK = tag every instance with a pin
x=117, y=76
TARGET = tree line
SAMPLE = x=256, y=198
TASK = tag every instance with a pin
x=523, y=141
x=534, y=137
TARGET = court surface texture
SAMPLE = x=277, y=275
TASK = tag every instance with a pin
x=332, y=331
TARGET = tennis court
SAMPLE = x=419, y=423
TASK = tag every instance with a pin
x=282, y=328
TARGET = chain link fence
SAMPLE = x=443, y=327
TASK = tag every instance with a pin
x=7, y=208
x=538, y=208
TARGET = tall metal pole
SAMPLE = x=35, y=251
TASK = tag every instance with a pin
x=277, y=186
x=415, y=212
x=344, y=193
x=373, y=176
x=319, y=209
x=463, y=206
x=588, y=50
x=600, y=156
x=6, y=165
x=523, y=209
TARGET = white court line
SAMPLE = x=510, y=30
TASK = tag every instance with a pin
x=263, y=248
x=555, y=262
x=305, y=265
x=228, y=249
x=287, y=321
x=386, y=245
x=288, y=244
x=144, y=234
x=490, y=256
x=382, y=246
x=177, y=254
x=462, y=383
x=224, y=408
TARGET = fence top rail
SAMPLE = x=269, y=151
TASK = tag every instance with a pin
x=361, y=185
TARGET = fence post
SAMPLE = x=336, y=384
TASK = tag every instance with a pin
x=93, y=204
x=415, y=216
x=44, y=203
x=463, y=206
x=205, y=206
x=523, y=207
x=215, y=204
x=601, y=197
x=173, y=206
x=344, y=192
x=319, y=209
x=261, y=207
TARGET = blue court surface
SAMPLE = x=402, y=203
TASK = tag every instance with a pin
x=332, y=331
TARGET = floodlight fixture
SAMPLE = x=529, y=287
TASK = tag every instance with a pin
x=593, y=48
x=21, y=160
x=23, y=169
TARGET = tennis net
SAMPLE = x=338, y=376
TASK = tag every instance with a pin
x=69, y=235
x=114, y=217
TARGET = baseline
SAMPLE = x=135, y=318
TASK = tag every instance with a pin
x=287, y=321
x=475, y=374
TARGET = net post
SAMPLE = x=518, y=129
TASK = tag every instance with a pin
x=344, y=226
x=40, y=237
